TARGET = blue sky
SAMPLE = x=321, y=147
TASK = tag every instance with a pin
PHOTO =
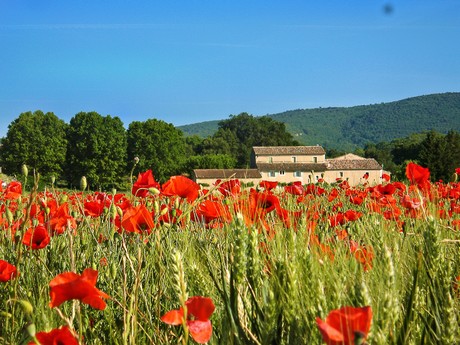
x=191, y=61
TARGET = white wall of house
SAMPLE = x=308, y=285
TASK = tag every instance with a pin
x=354, y=177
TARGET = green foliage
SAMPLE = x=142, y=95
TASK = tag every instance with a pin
x=159, y=146
x=346, y=128
x=244, y=131
x=97, y=150
x=209, y=161
x=438, y=152
x=37, y=140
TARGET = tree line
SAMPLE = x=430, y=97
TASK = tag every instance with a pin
x=101, y=149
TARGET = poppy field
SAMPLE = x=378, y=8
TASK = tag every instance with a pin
x=179, y=263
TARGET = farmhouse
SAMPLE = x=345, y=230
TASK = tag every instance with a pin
x=306, y=164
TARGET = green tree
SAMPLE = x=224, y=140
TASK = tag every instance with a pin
x=209, y=161
x=37, y=140
x=252, y=131
x=452, y=139
x=97, y=150
x=159, y=146
x=441, y=154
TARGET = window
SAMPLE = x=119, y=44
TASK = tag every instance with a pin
x=298, y=174
x=341, y=174
x=315, y=159
x=270, y=159
x=271, y=174
x=294, y=159
x=281, y=172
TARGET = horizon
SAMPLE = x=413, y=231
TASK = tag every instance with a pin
x=187, y=63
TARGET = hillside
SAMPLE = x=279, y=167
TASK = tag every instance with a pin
x=347, y=128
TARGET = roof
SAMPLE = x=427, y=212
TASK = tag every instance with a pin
x=289, y=150
x=353, y=164
x=292, y=166
x=226, y=173
x=348, y=156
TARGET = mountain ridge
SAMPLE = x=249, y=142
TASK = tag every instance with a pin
x=348, y=128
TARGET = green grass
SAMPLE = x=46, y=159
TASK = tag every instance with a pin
x=268, y=286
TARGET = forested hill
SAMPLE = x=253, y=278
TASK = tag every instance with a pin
x=347, y=128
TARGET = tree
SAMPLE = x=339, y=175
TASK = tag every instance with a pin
x=97, y=150
x=441, y=154
x=452, y=139
x=159, y=146
x=209, y=161
x=37, y=140
x=252, y=131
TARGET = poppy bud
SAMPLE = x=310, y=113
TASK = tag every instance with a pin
x=113, y=270
x=9, y=215
x=164, y=211
x=24, y=170
x=120, y=211
x=30, y=328
x=83, y=183
x=154, y=191
x=53, y=179
x=113, y=211
x=136, y=160
x=64, y=198
x=26, y=307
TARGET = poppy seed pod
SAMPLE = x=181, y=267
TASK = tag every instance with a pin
x=24, y=170
x=83, y=183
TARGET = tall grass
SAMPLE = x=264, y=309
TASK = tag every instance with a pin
x=268, y=282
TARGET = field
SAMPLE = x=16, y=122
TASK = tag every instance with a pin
x=176, y=264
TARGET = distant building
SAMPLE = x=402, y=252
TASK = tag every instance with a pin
x=209, y=176
x=307, y=164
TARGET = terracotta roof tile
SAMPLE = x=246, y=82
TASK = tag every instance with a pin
x=353, y=164
x=288, y=150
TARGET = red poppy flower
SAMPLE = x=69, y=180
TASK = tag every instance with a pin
x=181, y=186
x=144, y=181
x=62, y=219
x=199, y=310
x=344, y=324
x=93, y=208
x=295, y=188
x=69, y=285
x=56, y=336
x=386, y=177
x=36, y=237
x=352, y=215
x=210, y=210
x=268, y=185
x=13, y=191
x=417, y=175
x=7, y=271
x=229, y=187
x=137, y=219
